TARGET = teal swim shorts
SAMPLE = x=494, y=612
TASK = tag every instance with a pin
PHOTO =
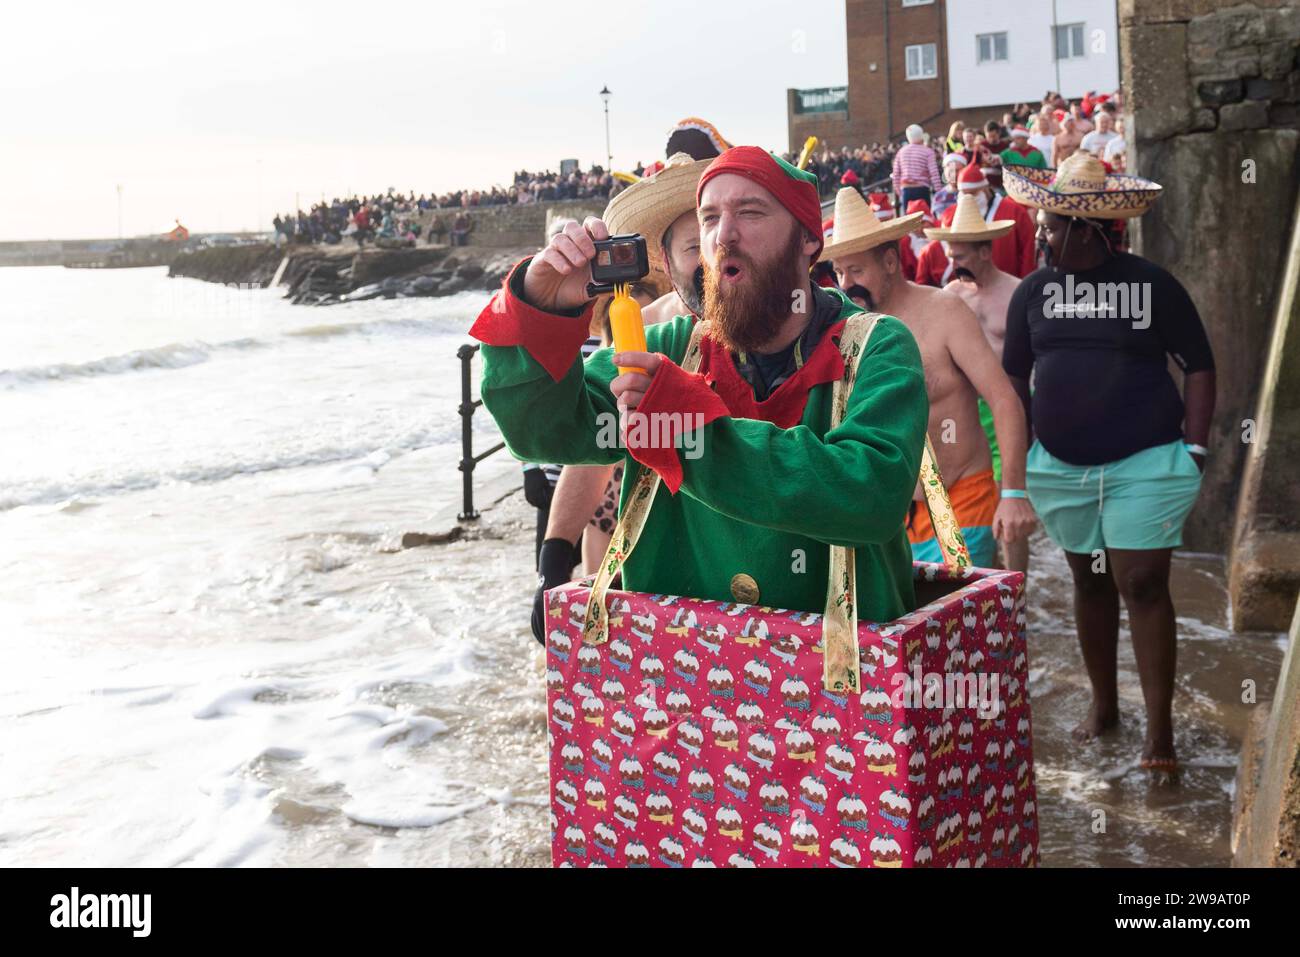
x=981, y=545
x=1138, y=502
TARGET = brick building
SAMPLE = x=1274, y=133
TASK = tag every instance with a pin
x=936, y=61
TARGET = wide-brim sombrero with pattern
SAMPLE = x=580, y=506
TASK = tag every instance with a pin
x=653, y=204
x=857, y=228
x=1080, y=186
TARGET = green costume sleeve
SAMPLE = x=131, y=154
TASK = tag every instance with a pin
x=569, y=418
x=850, y=487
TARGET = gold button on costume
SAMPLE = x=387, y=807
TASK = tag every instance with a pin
x=744, y=589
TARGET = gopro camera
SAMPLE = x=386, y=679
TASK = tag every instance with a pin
x=619, y=259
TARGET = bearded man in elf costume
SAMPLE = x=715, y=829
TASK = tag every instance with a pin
x=750, y=516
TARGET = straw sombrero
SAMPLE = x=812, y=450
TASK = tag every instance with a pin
x=968, y=226
x=653, y=204
x=857, y=228
x=1081, y=187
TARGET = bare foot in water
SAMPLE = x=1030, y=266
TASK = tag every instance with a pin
x=1099, y=721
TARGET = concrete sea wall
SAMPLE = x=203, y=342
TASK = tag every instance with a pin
x=1213, y=115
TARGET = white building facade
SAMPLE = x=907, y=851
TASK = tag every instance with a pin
x=1002, y=51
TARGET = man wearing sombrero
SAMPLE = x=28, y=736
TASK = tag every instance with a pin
x=987, y=290
x=1116, y=464
x=747, y=519
x=959, y=368
x=1014, y=251
x=883, y=207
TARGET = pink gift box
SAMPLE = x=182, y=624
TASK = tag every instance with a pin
x=700, y=734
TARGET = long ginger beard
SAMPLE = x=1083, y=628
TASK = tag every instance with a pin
x=748, y=314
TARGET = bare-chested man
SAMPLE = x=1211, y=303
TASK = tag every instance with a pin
x=960, y=367
x=987, y=290
x=1066, y=142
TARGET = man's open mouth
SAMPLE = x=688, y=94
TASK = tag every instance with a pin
x=732, y=271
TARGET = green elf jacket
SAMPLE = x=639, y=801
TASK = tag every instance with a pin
x=771, y=487
x=1013, y=157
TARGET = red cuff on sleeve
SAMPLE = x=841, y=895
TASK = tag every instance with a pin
x=677, y=402
x=553, y=340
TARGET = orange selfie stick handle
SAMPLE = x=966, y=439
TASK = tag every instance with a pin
x=626, y=325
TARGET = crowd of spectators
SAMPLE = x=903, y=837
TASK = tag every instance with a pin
x=596, y=183
x=394, y=218
x=1056, y=127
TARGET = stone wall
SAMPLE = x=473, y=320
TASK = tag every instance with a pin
x=1212, y=89
x=1264, y=571
x=509, y=226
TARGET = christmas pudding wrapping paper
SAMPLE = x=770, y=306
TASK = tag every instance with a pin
x=699, y=734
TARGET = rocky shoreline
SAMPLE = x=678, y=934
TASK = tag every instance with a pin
x=321, y=276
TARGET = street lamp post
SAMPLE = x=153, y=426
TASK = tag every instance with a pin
x=609, y=154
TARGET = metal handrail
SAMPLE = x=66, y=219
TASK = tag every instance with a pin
x=468, y=460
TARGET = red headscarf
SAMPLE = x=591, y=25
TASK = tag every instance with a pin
x=793, y=188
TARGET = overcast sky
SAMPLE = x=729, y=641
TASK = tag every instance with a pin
x=220, y=114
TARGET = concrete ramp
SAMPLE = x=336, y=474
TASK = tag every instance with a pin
x=279, y=272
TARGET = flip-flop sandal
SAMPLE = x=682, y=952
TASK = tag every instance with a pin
x=1166, y=765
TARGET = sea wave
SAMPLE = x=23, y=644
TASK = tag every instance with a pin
x=444, y=316
x=174, y=355
x=366, y=457
x=327, y=330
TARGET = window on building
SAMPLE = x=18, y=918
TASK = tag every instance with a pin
x=922, y=61
x=990, y=47
x=1069, y=40
x=916, y=3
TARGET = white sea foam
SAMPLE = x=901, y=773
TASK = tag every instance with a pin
x=359, y=461
x=174, y=355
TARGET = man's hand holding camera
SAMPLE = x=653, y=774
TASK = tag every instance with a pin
x=557, y=279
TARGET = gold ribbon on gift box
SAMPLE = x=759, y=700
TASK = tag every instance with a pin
x=840, y=666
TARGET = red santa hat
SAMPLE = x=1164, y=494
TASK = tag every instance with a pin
x=1020, y=131
x=972, y=178
x=922, y=207
x=849, y=178
x=881, y=205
